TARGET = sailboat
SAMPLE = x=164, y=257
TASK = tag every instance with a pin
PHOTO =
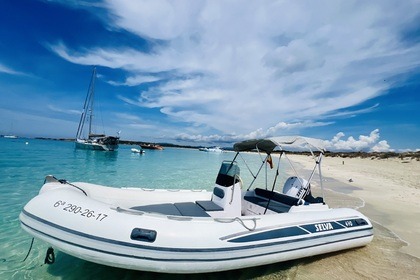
x=93, y=141
x=10, y=135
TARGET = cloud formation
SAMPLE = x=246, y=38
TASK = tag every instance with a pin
x=364, y=143
x=10, y=71
x=230, y=68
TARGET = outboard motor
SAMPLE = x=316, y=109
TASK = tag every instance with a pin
x=296, y=187
x=299, y=188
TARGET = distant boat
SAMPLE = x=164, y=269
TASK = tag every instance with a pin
x=10, y=135
x=150, y=146
x=212, y=150
x=93, y=141
x=137, y=151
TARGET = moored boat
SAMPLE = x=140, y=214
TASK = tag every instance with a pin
x=193, y=231
x=212, y=150
x=151, y=146
x=137, y=151
x=93, y=141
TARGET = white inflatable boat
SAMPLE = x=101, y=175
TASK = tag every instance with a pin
x=183, y=231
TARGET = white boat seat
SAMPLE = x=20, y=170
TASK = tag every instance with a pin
x=209, y=205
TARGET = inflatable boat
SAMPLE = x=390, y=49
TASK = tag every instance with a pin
x=187, y=231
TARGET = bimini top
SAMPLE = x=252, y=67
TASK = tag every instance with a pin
x=280, y=143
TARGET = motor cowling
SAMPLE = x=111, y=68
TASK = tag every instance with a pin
x=296, y=187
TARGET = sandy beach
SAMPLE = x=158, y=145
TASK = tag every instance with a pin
x=390, y=189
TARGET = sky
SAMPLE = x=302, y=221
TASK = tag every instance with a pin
x=215, y=72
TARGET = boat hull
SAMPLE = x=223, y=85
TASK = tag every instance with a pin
x=75, y=221
x=89, y=145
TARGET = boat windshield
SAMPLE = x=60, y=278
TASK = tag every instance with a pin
x=230, y=168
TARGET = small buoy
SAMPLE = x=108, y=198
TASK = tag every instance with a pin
x=26, y=143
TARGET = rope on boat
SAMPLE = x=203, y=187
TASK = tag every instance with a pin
x=64, y=181
x=221, y=220
x=30, y=248
x=129, y=211
x=49, y=256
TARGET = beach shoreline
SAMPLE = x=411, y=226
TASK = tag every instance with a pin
x=390, y=189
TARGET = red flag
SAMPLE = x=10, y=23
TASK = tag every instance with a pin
x=270, y=161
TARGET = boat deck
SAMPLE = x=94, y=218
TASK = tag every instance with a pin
x=265, y=199
x=190, y=209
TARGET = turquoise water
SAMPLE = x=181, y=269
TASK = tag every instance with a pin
x=24, y=163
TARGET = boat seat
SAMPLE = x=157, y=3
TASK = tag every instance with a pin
x=209, y=205
x=191, y=209
x=163, y=208
x=174, y=209
x=279, y=197
x=273, y=206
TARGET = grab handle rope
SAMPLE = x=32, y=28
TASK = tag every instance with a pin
x=239, y=220
x=64, y=181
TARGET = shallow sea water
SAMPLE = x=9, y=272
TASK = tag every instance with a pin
x=24, y=163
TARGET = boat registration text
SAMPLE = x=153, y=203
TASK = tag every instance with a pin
x=73, y=208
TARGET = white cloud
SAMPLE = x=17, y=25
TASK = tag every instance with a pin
x=136, y=80
x=10, y=71
x=158, y=19
x=279, y=129
x=129, y=117
x=365, y=143
x=382, y=146
x=237, y=66
x=65, y=111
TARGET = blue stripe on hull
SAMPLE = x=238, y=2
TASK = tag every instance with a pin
x=272, y=234
x=300, y=230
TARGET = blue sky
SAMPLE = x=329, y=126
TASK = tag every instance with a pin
x=215, y=72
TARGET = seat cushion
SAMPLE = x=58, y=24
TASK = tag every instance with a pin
x=190, y=209
x=163, y=208
x=209, y=205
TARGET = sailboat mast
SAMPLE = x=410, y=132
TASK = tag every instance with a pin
x=92, y=93
x=88, y=103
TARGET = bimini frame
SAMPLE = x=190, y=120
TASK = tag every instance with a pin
x=265, y=147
